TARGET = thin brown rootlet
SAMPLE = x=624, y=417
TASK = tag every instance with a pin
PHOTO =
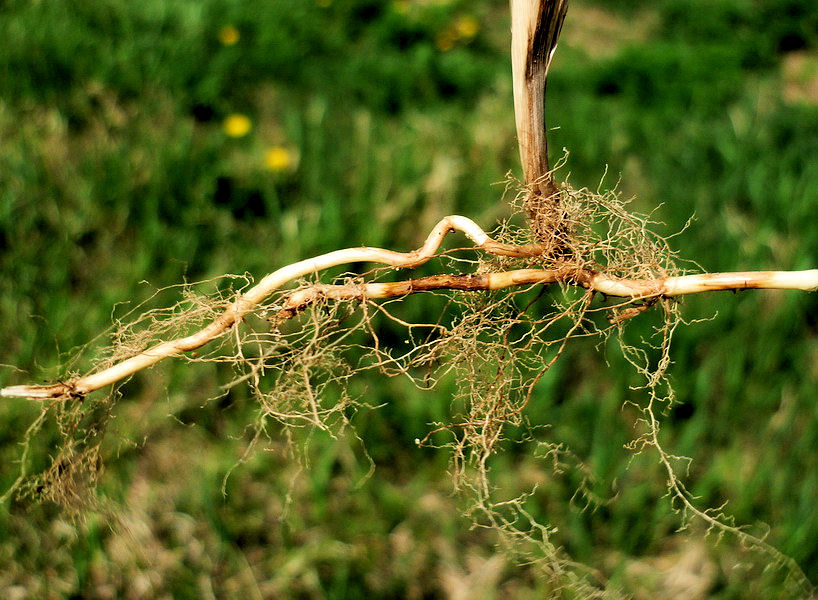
x=297, y=349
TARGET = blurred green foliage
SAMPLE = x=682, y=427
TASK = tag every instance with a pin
x=116, y=170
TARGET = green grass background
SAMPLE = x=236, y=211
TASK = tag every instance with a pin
x=117, y=178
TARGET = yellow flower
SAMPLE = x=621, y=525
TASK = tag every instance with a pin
x=278, y=158
x=237, y=125
x=229, y=35
x=467, y=26
x=464, y=28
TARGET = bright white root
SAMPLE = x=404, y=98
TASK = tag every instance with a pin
x=233, y=314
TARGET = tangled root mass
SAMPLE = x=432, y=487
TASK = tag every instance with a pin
x=496, y=345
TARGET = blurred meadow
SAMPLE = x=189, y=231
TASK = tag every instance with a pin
x=148, y=144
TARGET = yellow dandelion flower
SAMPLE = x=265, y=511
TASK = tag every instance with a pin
x=278, y=158
x=229, y=35
x=237, y=125
x=466, y=26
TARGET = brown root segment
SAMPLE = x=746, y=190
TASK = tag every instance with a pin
x=634, y=289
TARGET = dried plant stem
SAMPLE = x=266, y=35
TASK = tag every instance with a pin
x=598, y=282
x=535, y=29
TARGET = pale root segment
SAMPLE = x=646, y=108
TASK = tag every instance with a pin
x=247, y=302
